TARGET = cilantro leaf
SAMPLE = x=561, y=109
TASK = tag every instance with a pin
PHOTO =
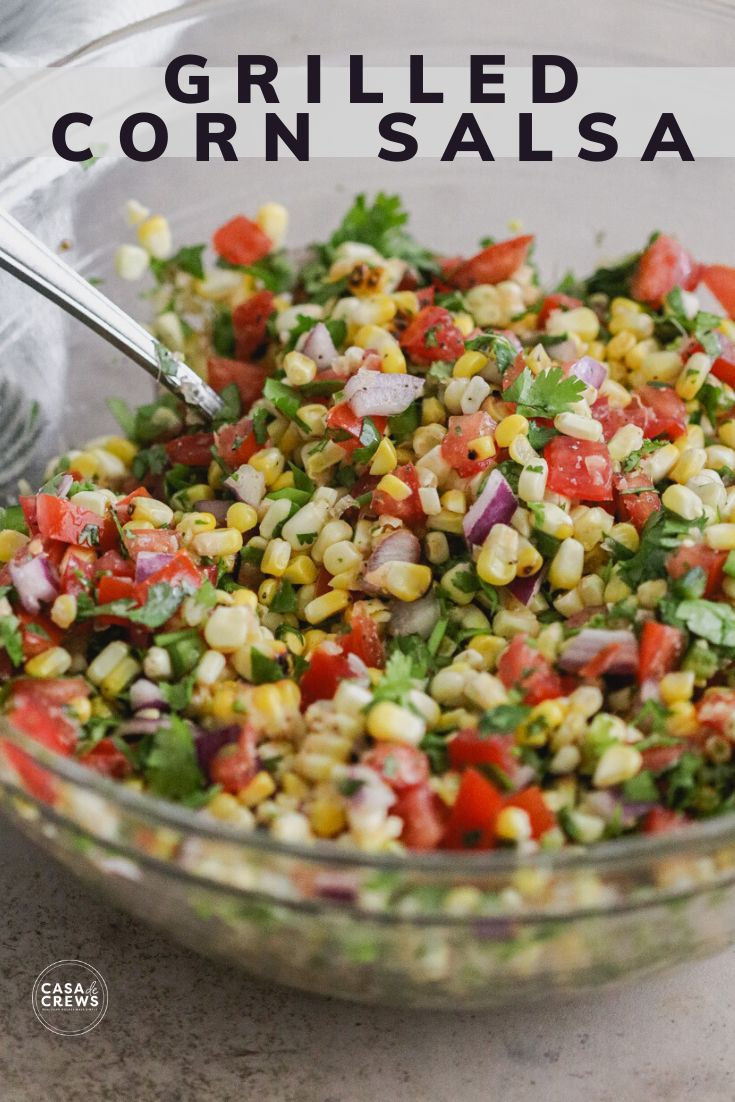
x=284, y=600
x=382, y=225
x=503, y=719
x=398, y=678
x=540, y=435
x=11, y=639
x=188, y=259
x=286, y=400
x=370, y=439
x=662, y=533
x=231, y=406
x=495, y=345
x=546, y=394
x=275, y=271
x=171, y=769
x=223, y=333
x=162, y=601
x=264, y=668
x=403, y=425
x=11, y=516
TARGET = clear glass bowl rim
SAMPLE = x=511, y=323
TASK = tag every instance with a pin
x=619, y=855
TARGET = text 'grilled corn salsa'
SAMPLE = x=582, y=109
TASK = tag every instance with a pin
x=454, y=568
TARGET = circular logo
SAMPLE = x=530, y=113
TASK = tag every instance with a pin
x=69, y=998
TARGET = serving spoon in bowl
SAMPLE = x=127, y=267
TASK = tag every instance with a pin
x=28, y=259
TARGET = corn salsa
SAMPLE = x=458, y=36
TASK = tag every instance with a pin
x=453, y=568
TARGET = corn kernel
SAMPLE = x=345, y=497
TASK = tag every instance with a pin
x=384, y=460
x=53, y=662
x=299, y=369
x=120, y=677
x=301, y=570
x=215, y=545
x=408, y=581
x=106, y=661
x=64, y=610
x=693, y=376
x=272, y=218
x=327, y=818
x=154, y=235
x=329, y=604
x=469, y=364
x=513, y=825
x=241, y=517
x=228, y=628
x=372, y=336
x=498, y=559
x=618, y=764
x=11, y=543
x=388, y=722
x=677, y=687
x=270, y=462
x=432, y=412
x=258, y=789
x=682, y=501
x=510, y=427
x=276, y=557
x=394, y=487
x=691, y=462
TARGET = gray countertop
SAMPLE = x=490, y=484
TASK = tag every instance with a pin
x=180, y=1029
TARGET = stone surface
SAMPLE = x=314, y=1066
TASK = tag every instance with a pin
x=180, y=1029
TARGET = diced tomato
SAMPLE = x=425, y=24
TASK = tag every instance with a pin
x=660, y=820
x=235, y=765
x=38, y=632
x=716, y=711
x=635, y=498
x=461, y=433
x=401, y=767
x=160, y=540
x=111, y=589
x=29, y=506
x=53, y=691
x=432, y=336
x=472, y=818
x=327, y=667
x=557, y=301
x=613, y=418
x=579, y=469
x=112, y=562
x=424, y=295
x=424, y=817
x=660, y=758
x=664, y=265
x=469, y=747
x=343, y=419
x=47, y=725
x=511, y=373
x=236, y=443
x=77, y=570
x=106, y=758
x=494, y=264
x=193, y=450
x=720, y=280
x=322, y=583
x=409, y=508
x=248, y=378
x=363, y=638
x=523, y=667
x=124, y=507
x=180, y=571
x=531, y=800
x=604, y=661
x=684, y=559
x=724, y=364
x=250, y=322
x=660, y=649
x=666, y=413
x=241, y=241
x=59, y=519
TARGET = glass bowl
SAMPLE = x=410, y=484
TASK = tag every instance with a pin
x=440, y=930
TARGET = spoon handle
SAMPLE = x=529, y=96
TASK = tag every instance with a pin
x=27, y=258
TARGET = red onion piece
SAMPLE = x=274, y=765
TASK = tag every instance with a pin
x=208, y=742
x=65, y=484
x=141, y=725
x=374, y=392
x=417, y=618
x=35, y=582
x=247, y=485
x=150, y=562
x=525, y=589
x=496, y=505
x=582, y=648
x=146, y=694
x=218, y=509
x=590, y=371
x=400, y=546
x=319, y=346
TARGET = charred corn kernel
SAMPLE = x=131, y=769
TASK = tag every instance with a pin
x=532, y=480
x=299, y=369
x=565, y=571
x=432, y=412
x=626, y=440
x=618, y=764
x=498, y=560
x=64, y=610
x=154, y=234
x=693, y=376
x=677, y=687
x=388, y=722
x=552, y=520
x=241, y=517
x=329, y=604
x=327, y=818
x=510, y=427
x=131, y=261
x=54, y=662
x=521, y=451
x=106, y=661
x=407, y=581
x=469, y=364
x=10, y=543
x=650, y=593
x=120, y=677
x=580, y=320
x=482, y=447
x=513, y=825
x=682, y=501
x=384, y=460
x=719, y=457
x=394, y=487
x=258, y=789
x=691, y=462
x=276, y=557
x=215, y=545
x=372, y=336
x=341, y=556
x=301, y=570
x=530, y=560
x=454, y=501
x=721, y=537
x=228, y=628
x=193, y=524
x=157, y=513
x=619, y=346
x=210, y=668
x=272, y=218
x=267, y=591
x=659, y=463
x=582, y=428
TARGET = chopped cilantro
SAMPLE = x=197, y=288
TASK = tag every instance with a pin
x=188, y=259
x=403, y=425
x=503, y=719
x=546, y=394
x=231, y=406
x=264, y=668
x=495, y=345
x=284, y=600
x=223, y=333
x=286, y=400
x=11, y=516
x=11, y=639
x=171, y=768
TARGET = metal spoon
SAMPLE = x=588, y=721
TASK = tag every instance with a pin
x=27, y=258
